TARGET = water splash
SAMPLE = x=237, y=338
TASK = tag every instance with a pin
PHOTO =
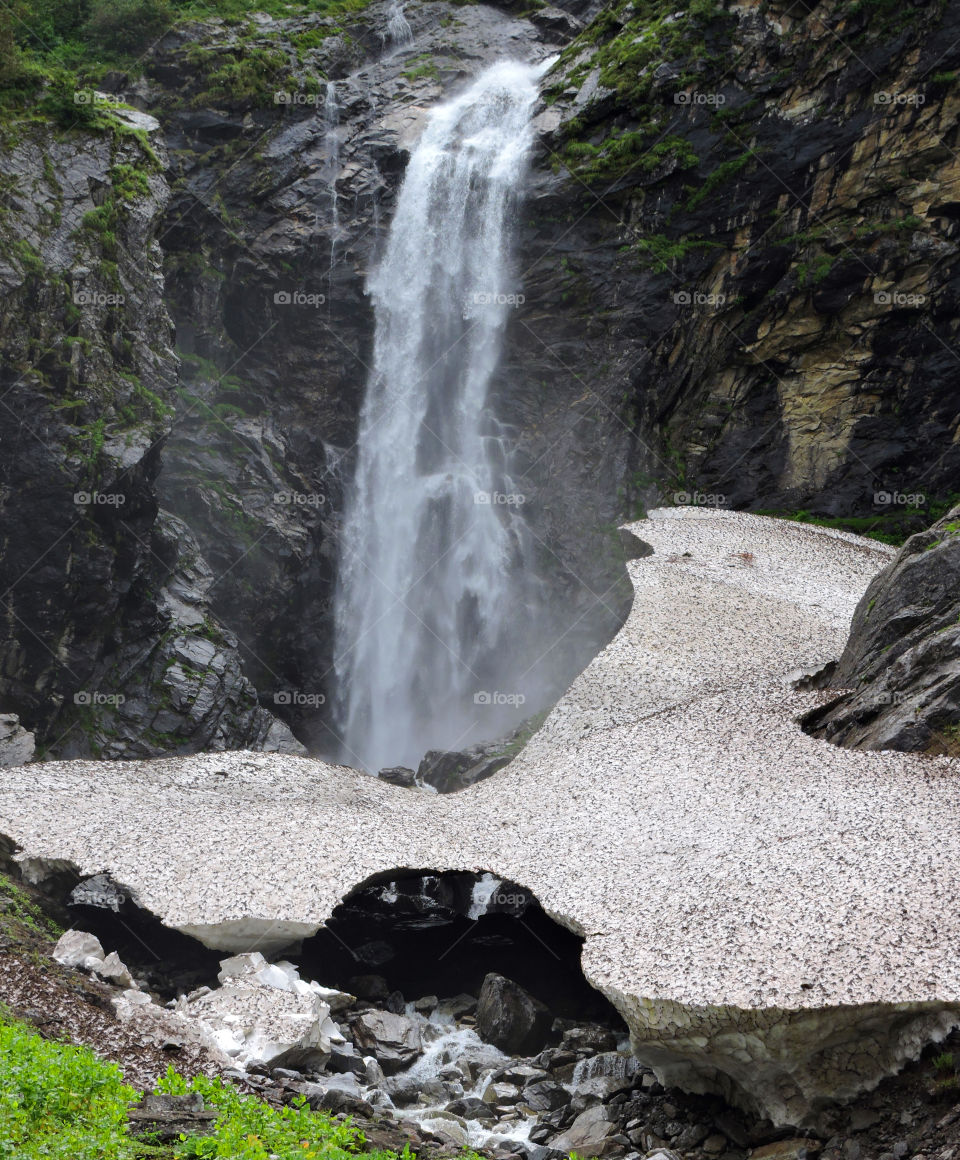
x=436, y=580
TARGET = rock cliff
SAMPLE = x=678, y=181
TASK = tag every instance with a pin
x=735, y=286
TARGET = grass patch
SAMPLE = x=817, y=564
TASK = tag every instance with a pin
x=60, y=1102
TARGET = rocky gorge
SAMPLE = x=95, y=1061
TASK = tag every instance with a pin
x=707, y=268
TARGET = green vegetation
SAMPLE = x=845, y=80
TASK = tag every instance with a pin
x=20, y=916
x=53, y=53
x=632, y=35
x=720, y=175
x=659, y=253
x=422, y=67
x=622, y=153
x=893, y=528
x=60, y=1102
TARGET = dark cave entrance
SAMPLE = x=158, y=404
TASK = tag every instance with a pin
x=428, y=933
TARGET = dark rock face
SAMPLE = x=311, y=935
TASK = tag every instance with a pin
x=902, y=660
x=109, y=646
x=511, y=1019
x=725, y=250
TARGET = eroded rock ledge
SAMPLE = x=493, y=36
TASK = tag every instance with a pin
x=776, y=918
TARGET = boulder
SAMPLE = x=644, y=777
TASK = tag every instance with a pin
x=393, y=1040
x=545, y=1096
x=399, y=775
x=510, y=1018
x=589, y=1134
x=448, y=772
x=16, y=744
x=902, y=660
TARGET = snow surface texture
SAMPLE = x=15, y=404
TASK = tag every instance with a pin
x=776, y=918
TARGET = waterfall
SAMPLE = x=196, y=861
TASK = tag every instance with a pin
x=331, y=142
x=399, y=31
x=436, y=581
x=608, y=1063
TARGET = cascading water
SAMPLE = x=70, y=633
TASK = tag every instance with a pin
x=331, y=118
x=399, y=31
x=436, y=581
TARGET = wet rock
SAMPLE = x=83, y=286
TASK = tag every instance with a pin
x=589, y=1039
x=346, y=1060
x=471, y=1108
x=510, y=1018
x=458, y=1006
x=393, y=1040
x=501, y=1093
x=399, y=775
x=448, y=772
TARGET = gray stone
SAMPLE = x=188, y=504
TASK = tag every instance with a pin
x=393, y=1040
x=17, y=745
x=589, y=1134
x=510, y=1018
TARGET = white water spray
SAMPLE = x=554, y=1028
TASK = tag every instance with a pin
x=435, y=573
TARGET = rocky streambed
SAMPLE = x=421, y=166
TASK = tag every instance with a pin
x=495, y=1072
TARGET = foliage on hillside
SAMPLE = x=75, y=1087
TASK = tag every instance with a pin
x=50, y=49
